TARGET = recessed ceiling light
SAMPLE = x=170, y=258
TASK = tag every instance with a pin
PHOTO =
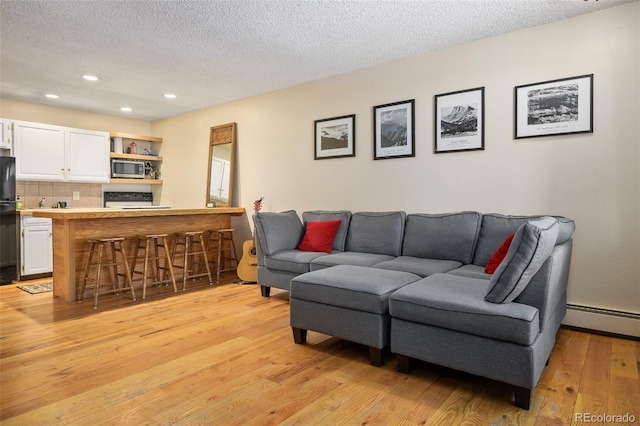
x=126, y=109
x=90, y=77
x=52, y=96
x=170, y=95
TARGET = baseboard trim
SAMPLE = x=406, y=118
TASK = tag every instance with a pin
x=625, y=324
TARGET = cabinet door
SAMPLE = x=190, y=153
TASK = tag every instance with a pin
x=39, y=151
x=37, y=250
x=5, y=134
x=87, y=156
x=219, y=179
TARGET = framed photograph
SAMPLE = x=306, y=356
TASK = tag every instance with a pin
x=556, y=107
x=393, y=130
x=335, y=137
x=459, y=121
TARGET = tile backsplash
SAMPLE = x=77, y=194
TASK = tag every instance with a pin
x=31, y=192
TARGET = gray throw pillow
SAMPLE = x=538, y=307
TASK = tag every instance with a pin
x=532, y=243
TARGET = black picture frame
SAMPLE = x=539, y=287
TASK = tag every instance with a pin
x=459, y=121
x=555, y=107
x=335, y=137
x=394, y=130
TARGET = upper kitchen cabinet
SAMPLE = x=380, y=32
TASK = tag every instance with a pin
x=45, y=152
x=5, y=134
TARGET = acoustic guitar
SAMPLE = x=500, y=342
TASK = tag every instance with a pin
x=248, y=265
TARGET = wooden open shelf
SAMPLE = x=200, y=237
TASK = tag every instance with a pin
x=136, y=137
x=141, y=181
x=136, y=157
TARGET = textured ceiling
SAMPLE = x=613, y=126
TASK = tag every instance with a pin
x=213, y=52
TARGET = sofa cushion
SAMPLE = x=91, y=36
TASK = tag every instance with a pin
x=295, y=261
x=418, y=265
x=532, y=243
x=351, y=287
x=495, y=228
x=457, y=303
x=498, y=256
x=449, y=236
x=319, y=236
x=322, y=215
x=470, y=271
x=348, y=258
x=278, y=231
x=378, y=233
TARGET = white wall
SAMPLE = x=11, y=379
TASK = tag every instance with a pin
x=592, y=178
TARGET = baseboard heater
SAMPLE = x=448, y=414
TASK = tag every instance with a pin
x=601, y=319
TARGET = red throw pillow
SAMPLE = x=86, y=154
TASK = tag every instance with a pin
x=319, y=236
x=498, y=256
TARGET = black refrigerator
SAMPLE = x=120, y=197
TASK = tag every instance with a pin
x=8, y=221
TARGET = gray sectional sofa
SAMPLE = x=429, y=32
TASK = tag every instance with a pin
x=416, y=284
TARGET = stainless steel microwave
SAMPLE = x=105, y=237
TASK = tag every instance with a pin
x=130, y=169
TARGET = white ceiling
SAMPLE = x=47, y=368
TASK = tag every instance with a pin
x=213, y=52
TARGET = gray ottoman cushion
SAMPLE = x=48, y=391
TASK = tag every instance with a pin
x=457, y=303
x=351, y=287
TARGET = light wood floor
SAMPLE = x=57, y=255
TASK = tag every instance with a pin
x=225, y=355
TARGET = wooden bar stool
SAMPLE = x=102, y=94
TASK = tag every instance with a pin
x=226, y=253
x=211, y=245
x=153, y=255
x=190, y=266
x=98, y=247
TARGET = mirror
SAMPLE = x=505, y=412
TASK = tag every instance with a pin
x=222, y=147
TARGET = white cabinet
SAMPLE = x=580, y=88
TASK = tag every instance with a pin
x=87, y=155
x=220, y=175
x=5, y=134
x=36, y=245
x=45, y=152
x=39, y=151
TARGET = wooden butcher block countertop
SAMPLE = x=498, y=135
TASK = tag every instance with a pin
x=118, y=212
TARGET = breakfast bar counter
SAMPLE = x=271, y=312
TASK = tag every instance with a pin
x=72, y=228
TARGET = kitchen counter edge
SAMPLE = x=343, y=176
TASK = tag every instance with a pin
x=113, y=212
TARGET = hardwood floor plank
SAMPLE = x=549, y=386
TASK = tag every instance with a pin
x=561, y=379
x=225, y=355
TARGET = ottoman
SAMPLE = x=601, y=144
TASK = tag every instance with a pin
x=348, y=302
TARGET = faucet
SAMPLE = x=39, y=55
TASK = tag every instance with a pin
x=41, y=203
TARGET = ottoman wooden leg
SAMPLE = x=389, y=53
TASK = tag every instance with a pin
x=404, y=363
x=376, y=356
x=522, y=397
x=299, y=335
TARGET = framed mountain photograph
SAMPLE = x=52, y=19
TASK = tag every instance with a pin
x=459, y=121
x=556, y=107
x=393, y=130
x=335, y=137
